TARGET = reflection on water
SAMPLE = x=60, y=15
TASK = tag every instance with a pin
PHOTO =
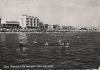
x=3, y=40
x=23, y=37
x=12, y=39
x=2, y=37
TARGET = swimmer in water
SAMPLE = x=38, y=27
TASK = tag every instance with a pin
x=67, y=44
x=46, y=43
x=35, y=42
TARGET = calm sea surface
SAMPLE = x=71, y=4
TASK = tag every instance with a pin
x=83, y=49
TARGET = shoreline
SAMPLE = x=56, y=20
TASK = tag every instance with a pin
x=50, y=32
x=35, y=32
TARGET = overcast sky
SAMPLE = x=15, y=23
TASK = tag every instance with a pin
x=78, y=13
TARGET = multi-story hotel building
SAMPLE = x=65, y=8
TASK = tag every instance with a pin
x=29, y=21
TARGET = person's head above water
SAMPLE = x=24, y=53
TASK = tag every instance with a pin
x=21, y=40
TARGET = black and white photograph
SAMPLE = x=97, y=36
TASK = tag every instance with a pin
x=49, y=34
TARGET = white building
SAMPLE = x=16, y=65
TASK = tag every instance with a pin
x=23, y=21
x=50, y=27
x=29, y=21
x=36, y=22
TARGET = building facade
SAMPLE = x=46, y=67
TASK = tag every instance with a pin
x=68, y=27
x=11, y=24
x=56, y=26
x=46, y=26
x=41, y=25
x=29, y=21
x=50, y=27
x=23, y=21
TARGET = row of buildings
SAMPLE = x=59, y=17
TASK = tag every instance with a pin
x=31, y=22
x=25, y=22
x=34, y=23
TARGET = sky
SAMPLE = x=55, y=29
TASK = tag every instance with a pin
x=77, y=13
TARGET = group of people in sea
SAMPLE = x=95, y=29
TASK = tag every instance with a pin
x=46, y=44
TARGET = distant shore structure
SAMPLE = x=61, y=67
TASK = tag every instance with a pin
x=11, y=24
x=29, y=23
